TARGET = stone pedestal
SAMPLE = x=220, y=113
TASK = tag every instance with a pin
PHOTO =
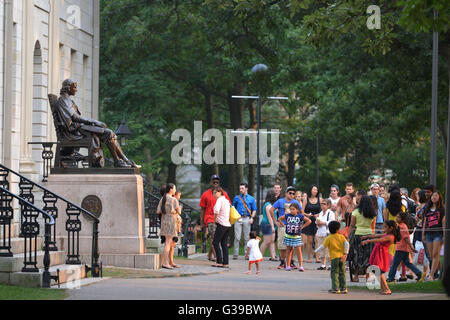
x=122, y=218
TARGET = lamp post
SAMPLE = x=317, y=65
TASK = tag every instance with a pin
x=123, y=132
x=259, y=71
x=434, y=102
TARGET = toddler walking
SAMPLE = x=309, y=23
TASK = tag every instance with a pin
x=338, y=247
x=253, y=252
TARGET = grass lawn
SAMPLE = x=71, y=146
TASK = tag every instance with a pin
x=424, y=287
x=19, y=293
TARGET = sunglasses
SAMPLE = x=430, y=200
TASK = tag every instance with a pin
x=291, y=193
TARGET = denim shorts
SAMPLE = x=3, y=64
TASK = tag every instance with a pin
x=432, y=236
x=266, y=229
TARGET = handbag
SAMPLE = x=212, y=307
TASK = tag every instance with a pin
x=344, y=231
x=234, y=215
x=245, y=205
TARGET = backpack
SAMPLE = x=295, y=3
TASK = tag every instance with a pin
x=412, y=207
x=411, y=222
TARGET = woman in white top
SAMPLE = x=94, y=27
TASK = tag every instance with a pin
x=223, y=226
x=334, y=198
x=322, y=221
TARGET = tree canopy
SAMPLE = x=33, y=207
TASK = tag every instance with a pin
x=364, y=93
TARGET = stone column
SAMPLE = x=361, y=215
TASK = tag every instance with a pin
x=54, y=60
x=96, y=60
x=7, y=83
x=27, y=165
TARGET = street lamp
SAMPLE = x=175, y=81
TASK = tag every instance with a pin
x=260, y=72
x=123, y=132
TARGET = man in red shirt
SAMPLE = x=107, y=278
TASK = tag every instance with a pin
x=207, y=203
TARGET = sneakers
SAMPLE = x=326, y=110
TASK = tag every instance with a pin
x=402, y=279
x=322, y=268
x=293, y=266
x=390, y=280
x=288, y=268
x=344, y=291
x=281, y=266
x=301, y=269
x=334, y=291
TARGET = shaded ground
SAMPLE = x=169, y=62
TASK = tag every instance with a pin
x=208, y=283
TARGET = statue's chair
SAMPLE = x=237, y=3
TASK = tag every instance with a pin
x=64, y=157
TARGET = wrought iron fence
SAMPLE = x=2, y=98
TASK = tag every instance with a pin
x=29, y=229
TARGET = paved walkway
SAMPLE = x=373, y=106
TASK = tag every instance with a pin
x=197, y=280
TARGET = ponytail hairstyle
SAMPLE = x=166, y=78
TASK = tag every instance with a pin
x=169, y=187
x=395, y=230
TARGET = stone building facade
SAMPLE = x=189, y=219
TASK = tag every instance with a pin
x=42, y=43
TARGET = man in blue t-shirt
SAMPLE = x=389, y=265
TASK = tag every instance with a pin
x=375, y=189
x=281, y=205
x=245, y=204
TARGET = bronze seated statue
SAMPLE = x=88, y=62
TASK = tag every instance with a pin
x=74, y=131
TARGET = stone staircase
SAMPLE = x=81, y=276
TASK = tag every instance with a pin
x=11, y=267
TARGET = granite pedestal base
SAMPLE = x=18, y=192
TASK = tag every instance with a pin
x=122, y=219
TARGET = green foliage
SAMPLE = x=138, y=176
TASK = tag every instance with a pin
x=366, y=94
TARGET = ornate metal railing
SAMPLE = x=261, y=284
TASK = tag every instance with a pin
x=30, y=231
x=28, y=221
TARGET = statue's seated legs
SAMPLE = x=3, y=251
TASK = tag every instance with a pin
x=110, y=139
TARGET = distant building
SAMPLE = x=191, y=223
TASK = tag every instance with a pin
x=42, y=43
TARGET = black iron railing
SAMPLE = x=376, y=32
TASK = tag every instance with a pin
x=30, y=230
x=28, y=222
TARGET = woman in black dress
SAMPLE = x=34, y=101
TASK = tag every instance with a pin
x=312, y=208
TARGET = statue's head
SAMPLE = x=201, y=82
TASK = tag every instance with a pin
x=69, y=86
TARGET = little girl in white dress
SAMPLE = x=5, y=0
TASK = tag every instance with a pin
x=253, y=252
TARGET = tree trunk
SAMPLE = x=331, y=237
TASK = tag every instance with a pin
x=172, y=173
x=235, y=171
x=148, y=157
x=291, y=163
x=208, y=170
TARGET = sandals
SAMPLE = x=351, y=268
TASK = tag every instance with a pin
x=165, y=267
x=217, y=265
x=385, y=293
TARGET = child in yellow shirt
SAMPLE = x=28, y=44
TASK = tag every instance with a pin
x=338, y=247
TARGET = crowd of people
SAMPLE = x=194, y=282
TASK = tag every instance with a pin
x=391, y=229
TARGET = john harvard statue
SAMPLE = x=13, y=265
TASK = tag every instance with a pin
x=77, y=127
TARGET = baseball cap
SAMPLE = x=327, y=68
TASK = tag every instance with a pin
x=374, y=185
x=290, y=189
x=215, y=177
